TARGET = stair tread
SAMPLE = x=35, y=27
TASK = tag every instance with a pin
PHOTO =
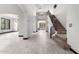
x=64, y=36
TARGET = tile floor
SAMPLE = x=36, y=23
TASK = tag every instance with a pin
x=38, y=43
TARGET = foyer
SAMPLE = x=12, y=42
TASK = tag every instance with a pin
x=39, y=29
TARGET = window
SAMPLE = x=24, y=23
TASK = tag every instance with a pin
x=2, y=23
x=5, y=23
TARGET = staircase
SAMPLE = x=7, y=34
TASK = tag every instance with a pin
x=61, y=37
x=58, y=26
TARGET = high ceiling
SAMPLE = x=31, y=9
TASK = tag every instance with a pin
x=33, y=8
x=41, y=11
x=44, y=7
x=38, y=10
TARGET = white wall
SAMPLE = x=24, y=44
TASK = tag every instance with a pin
x=32, y=24
x=22, y=25
x=49, y=23
x=31, y=12
x=71, y=17
x=60, y=13
x=28, y=20
x=73, y=32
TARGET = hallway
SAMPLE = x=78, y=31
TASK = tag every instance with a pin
x=38, y=43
